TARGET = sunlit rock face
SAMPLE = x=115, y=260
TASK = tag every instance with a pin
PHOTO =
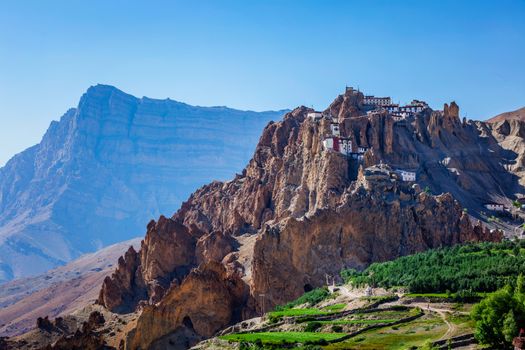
x=107, y=168
x=300, y=211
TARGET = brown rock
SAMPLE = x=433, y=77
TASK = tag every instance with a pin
x=297, y=212
x=207, y=300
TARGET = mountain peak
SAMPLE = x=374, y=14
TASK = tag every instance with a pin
x=119, y=161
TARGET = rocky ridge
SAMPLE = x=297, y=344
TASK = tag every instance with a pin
x=298, y=212
x=58, y=292
x=119, y=161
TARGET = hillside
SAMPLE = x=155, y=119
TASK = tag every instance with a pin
x=60, y=291
x=518, y=114
x=385, y=306
x=342, y=317
x=118, y=161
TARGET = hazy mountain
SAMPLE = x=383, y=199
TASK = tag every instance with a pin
x=107, y=168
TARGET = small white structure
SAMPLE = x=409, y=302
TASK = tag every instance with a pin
x=328, y=143
x=414, y=107
x=345, y=146
x=494, y=206
x=407, y=176
x=377, y=101
x=334, y=128
x=361, y=150
x=341, y=145
x=391, y=108
x=315, y=115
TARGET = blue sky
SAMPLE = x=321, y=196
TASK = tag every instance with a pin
x=256, y=55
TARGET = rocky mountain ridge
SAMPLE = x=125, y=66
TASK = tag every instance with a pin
x=108, y=167
x=299, y=212
x=57, y=292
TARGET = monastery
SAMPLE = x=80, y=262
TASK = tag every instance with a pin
x=336, y=142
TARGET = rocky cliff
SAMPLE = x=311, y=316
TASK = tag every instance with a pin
x=298, y=212
x=107, y=168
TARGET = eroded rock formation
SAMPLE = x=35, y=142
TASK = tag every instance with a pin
x=298, y=212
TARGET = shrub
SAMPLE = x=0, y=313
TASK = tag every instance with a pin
x=312, y=297
x=337, y=329
x=312, y=326
x=273, y=319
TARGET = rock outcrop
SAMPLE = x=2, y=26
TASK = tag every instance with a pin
x=107, y=168
x=298, y=212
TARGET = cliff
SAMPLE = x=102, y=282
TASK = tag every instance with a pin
x=298, y=212
x=107, y=168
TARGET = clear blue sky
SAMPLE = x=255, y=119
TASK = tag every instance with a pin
x=255, y=54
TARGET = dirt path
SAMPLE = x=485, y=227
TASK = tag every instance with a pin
x=443, y=314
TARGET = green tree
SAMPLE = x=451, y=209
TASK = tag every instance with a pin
x=510, y=327
x=520, y=284
x=498, y=315
x=488, y=315
x=516, y=250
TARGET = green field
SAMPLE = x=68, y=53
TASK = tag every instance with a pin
x=359, y=321
x=279, y=337
x=335, y=307
x=440, y=295
x=415, y=333
x=298, y=312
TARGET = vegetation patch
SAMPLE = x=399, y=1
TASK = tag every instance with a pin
x=280, y=337
x=298, y=312
x=335, y=307
x=415, y=333
x=311, y=298
x=360, y=321
x=500, y=315
x=462, y=269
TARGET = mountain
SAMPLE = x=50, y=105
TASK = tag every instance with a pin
x=300, y=212
x=518, y=114
x=108, y=167
x=57, y=292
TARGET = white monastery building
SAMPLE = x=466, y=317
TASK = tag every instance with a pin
x=494, y=206
x=315, y=115
x=407, y=176
x=377, y=101
x=338, y=144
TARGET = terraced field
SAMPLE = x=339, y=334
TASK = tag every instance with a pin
x=283, y=337
x=321, y=327
x=412, y=334
x=321, y=321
